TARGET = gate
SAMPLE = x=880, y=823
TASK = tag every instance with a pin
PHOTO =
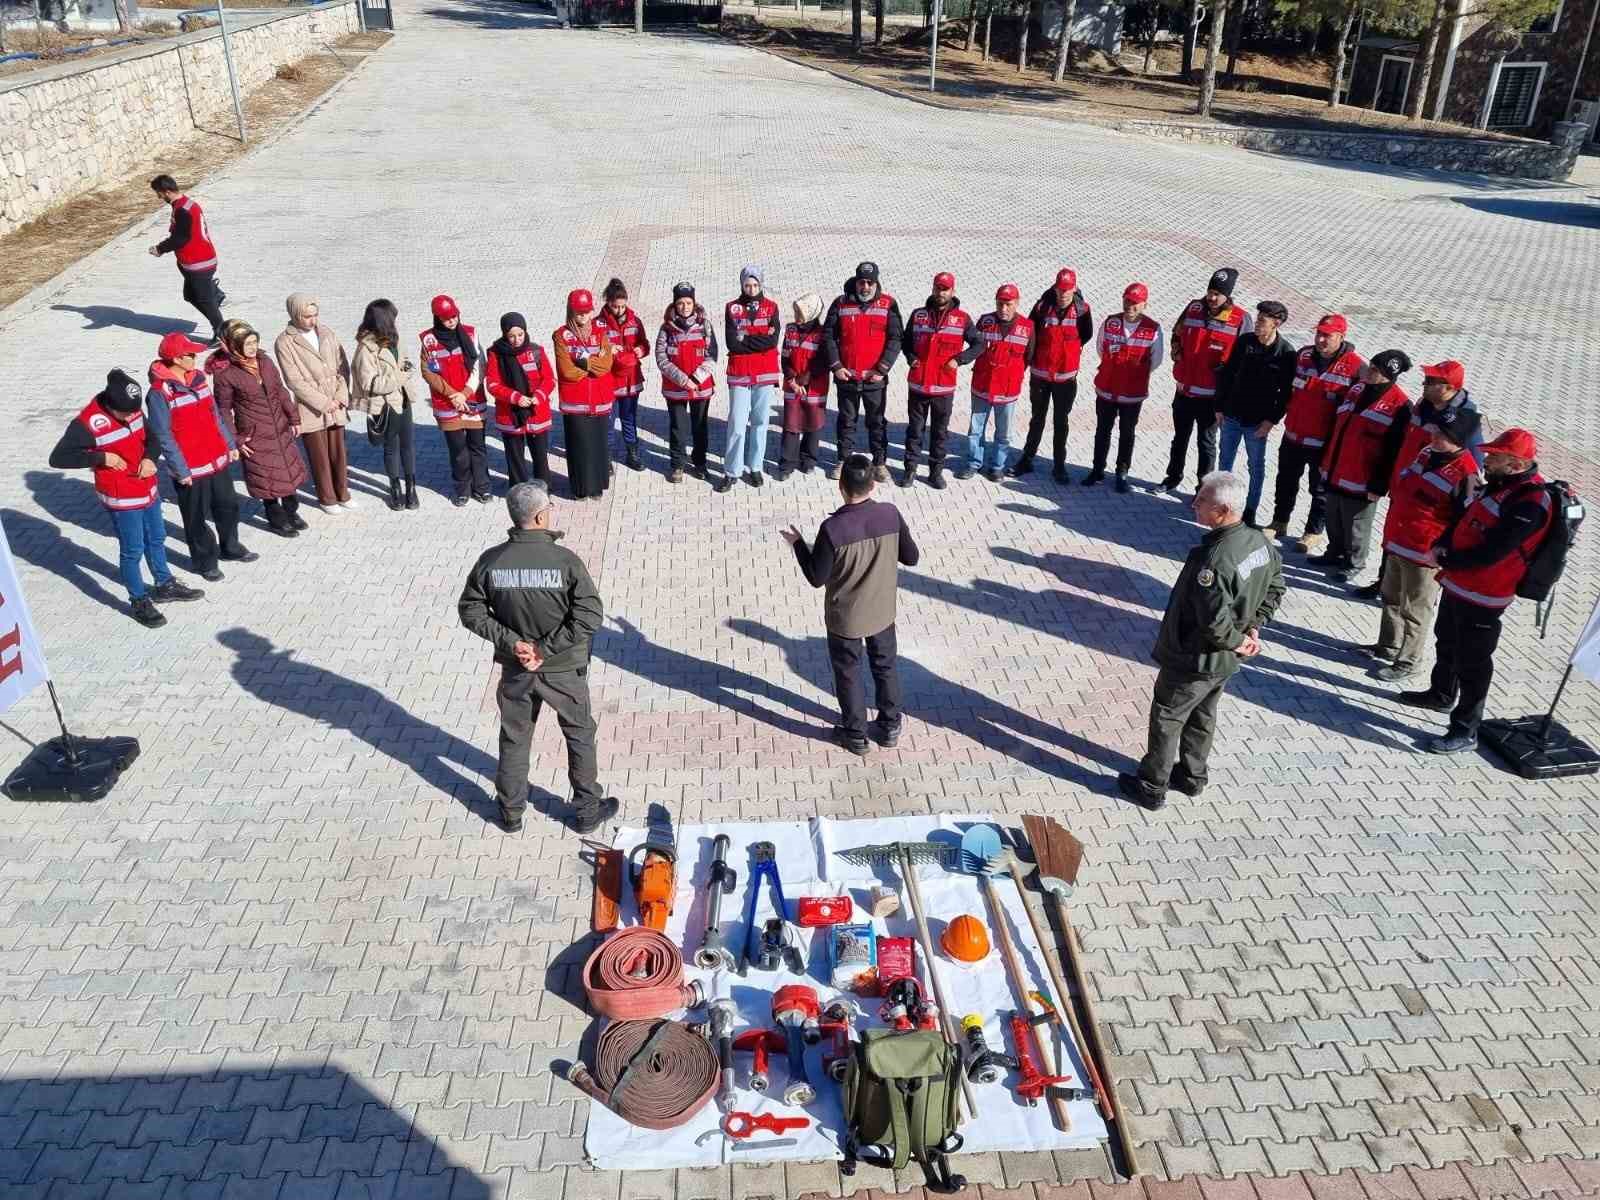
x=656, y=12
x=376, y=14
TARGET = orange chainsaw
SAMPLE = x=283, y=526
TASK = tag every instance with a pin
x=653, y=870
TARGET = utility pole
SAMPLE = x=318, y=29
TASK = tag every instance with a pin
x=233, y=76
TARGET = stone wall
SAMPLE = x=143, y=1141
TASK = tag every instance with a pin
x=66, y=130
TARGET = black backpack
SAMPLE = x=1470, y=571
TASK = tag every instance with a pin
x=1549, y=558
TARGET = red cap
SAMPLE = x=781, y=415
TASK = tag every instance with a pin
x=580, y=300
x=1518, y=443
x=444, y=308
x=1135, y=293
x=1333, y=323
x=944, y=280
x=1067, y=279
x=176, y=345
x=1455, y=375
x=1007, y=291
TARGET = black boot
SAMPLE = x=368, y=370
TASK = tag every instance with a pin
x=411, y=492
x=634, y=461
x=395, y=501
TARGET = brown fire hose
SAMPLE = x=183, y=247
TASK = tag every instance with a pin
x=653, y=1074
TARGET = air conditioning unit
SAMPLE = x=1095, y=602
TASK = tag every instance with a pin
x=1587, y=114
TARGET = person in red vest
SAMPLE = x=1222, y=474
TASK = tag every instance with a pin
x=629, y=348
x=1062, y=326
x=453, y=373
x=198, y=450
x=939, y=338
x=1358, y=463
x=189, y=240
x=1130, y=347
x=751, y=329
x=518, y=377
x=109, y=437
x=1323, y=373
x=805, y=387
x=997, y=376
x=1202, y=340
x=686, y=346
x=1429, y=494
x=583, y=380
x=1482, y=558
x=861, y=338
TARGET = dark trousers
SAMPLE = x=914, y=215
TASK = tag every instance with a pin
x=1126, y=418
x=798, y=449
x=1043, y=394
x=686, y=429
x=519, y=446
x=846, y=654
x=1183, y=721
x=1294, y=460
x=934, y=412
x=469, y=461
x=1465, y=638
x=399, y=444
x=858, y=399
x=520, y=696
x=213, y=499
x=200, y=290
x=281, y=513
x=1197, y=415
x=1350, y=526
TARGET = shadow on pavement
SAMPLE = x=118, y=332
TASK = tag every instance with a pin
x=1551, y=212
x=111, y=316
x=496, y=14
x=40, y=543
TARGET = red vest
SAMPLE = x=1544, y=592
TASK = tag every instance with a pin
x=1123, y=376
x=516, y=418
x=450, y=365
x=805, y=374
x=1317, y=395
x=1204, y=344
x=1357, y=437
x=629, y=348
x=687, y=347
x=935, y=342
x=754, y=320
x=1056, y=348
x=195, y=424
x=863, y=332
x=196, y=254
x=124, y=488
x=1422, y=503
x=998, y=372
x=590, y=396
x=1495, y=585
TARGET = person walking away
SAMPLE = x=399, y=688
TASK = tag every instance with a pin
x=265, y=423
x=1228, y=589
x=519, y=378
x=997, y=376
x=686, y=346
x=109, y=437
x=453, y=373
x=1253, y=389
x=583, y=380
x=1202, y=341
x=189, y=241
x=197, y=449
x=861, y=338
x=316, y=371
x=1062, y=326
x=1324, y=371
x=1130, y=347
x=1429, y=495
x=856, y=558
x=629, y=347
x=1482, y=559
x=1358, y=463
x=751, y=330
x=381, y=383
x=939, y=338
x=533, y=600
x=805, y=387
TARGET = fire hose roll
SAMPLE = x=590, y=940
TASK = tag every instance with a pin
x=637, y=974
x=654, y=1074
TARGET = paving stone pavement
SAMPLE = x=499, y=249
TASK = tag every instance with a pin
x=290, y=958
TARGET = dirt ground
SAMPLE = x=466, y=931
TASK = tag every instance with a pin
x=54, y=46
x=44, y=248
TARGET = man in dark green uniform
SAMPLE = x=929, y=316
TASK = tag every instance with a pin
x=1228, y=589
x=535, y=601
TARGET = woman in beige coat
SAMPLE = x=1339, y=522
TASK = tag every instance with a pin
x=379, y=381
x=315, y=368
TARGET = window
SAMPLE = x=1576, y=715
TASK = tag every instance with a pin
x=1515, y=94
x=1550, y=22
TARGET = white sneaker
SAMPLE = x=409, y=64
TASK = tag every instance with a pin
x=350, y=503
x=333, y=510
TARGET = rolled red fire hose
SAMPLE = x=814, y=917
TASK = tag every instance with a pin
x=653, y=1074
x=636, y=974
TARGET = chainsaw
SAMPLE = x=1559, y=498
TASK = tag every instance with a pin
x=653, y=870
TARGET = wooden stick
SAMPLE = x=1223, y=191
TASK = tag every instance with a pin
x=909, y=870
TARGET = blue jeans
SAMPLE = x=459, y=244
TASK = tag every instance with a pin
x=995, y=459
x=142, y=536
x=626, y=410
x=1255, y=452
x=749, y=409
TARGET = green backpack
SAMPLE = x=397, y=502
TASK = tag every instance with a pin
x=902, y=1098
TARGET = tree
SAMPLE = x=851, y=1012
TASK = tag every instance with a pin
x=1336, y=73
x=877, y=22
x=1208, y=84
x=855, y=25
x=1069, y=14
x=1424, y=72
x=972, y=23
x=1022, y=39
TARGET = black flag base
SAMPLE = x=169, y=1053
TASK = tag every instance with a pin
x=1539, y=748
x=80, y=769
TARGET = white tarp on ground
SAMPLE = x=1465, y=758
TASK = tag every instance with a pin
x=807, y=866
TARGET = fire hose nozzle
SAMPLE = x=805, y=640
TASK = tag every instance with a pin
x=758, y=1082
x=693, y=994
x=799, y=1094
x=713, y=954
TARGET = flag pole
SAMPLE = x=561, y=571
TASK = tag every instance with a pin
x=69, y=748
x=1544, y=728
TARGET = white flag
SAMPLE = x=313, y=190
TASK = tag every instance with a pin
x=1585, y=658
x=21, y=656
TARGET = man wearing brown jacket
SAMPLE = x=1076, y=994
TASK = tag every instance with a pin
x=856, y=558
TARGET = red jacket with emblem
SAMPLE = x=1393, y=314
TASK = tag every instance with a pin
x=1429, y=493
x=751, y=327
x=583, y=371
x=189, y=238
x=513, y=413
x=1058, y=337
x=1318, y=391
x=95, y=432
x=805, y=370
x=450, y=365
x=685, y=349
x=1368, y=429
x=629, y=348
x=936, y=342
x=863, y=335
x=1485, y=554
x=1127, y=356
x=1201, y=343
x=186, y=422
x=998, y=371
